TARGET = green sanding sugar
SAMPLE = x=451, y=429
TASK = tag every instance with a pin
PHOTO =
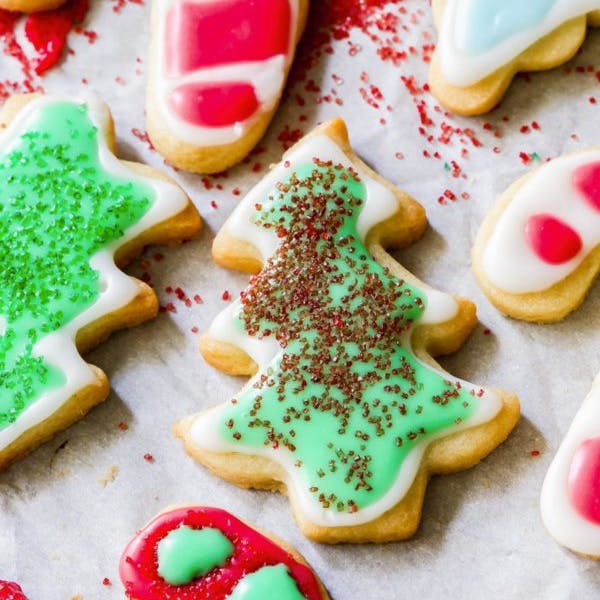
x=58, y=207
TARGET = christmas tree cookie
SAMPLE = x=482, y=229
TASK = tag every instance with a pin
x=538, y=251
x=346, y=411
x=218, y=69
x=70, y=211
x=483, y=44
x=196, y=553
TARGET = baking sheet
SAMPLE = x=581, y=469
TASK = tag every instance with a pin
x=66, y=513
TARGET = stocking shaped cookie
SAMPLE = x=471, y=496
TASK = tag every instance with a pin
x=195, y=553
x=68, y=210
x=538, y=251
x=483, y=44
x=571, y=493
x=217, y=75
x=346, y=411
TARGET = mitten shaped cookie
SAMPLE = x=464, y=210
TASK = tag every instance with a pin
x=194, y=553
x=483, y=44
x=217, y=72
x=70, y=212
x=537, y=252
x=346, y=411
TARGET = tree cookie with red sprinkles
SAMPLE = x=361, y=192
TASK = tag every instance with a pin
x=482, y=45
x=346, y=412
x=538, y=251
x=11, y=591
x=200, y=553
x=71, y=214
x=217, y=73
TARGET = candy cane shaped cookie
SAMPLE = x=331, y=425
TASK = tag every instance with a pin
x=483, y=44
x=218, y=68
x=200, y=553
x=538, y=252
x=70, y=212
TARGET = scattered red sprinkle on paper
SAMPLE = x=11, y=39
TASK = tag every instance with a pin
x=148, y=457
x=226, y=296
x=106, y=581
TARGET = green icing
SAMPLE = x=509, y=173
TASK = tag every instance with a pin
x=345, y=395
x=58, y=207
x=268, y=582
x=188, y=553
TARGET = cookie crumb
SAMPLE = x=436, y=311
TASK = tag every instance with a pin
x=110, y=476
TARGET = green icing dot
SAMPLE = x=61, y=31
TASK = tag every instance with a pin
x=58, y=207
x=268, y=582
x=346, y=396
x=188, y=553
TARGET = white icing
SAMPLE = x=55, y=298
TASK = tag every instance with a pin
x=561, y=519
x=509, y=262
x=118, y=289
x=463, y=69
x=267, y=77
x=380, y=205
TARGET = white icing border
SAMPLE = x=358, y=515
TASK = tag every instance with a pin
x=463, y=70
x=267, y=76
x=508, y=260
x=380, y=205
x=560, y=517
x=119, y=289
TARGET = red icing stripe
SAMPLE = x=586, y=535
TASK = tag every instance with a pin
x=214, y=104
x=586, y=180
x=552, y=240
x=252, y=551
x=11, y=591
x=584, y=480
x=207, y=34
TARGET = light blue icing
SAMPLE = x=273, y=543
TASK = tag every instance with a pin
x=483, y=24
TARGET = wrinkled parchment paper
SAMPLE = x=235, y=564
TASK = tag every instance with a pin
x=64, y=515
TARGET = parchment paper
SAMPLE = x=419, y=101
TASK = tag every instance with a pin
x=62, y=529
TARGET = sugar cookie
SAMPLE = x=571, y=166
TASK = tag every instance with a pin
x=217, y=72
x=538, y=251
x=347, y=412
x=195, y=552
x=482, y=45
x=69, y=210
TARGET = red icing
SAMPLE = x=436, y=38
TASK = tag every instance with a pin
x=252, y=551
x=11, y=591
x=214, y=105
x=213, y=33
x=47, y=31
x=553, y=240
x=586, y=180
x=584, y=480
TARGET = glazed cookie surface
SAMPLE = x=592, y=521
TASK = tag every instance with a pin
x=570, y=500
x=483, y=44
x=347, y=412
x=217, y=73
x=196, y=553
x=70, y=211
x=538, y=252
